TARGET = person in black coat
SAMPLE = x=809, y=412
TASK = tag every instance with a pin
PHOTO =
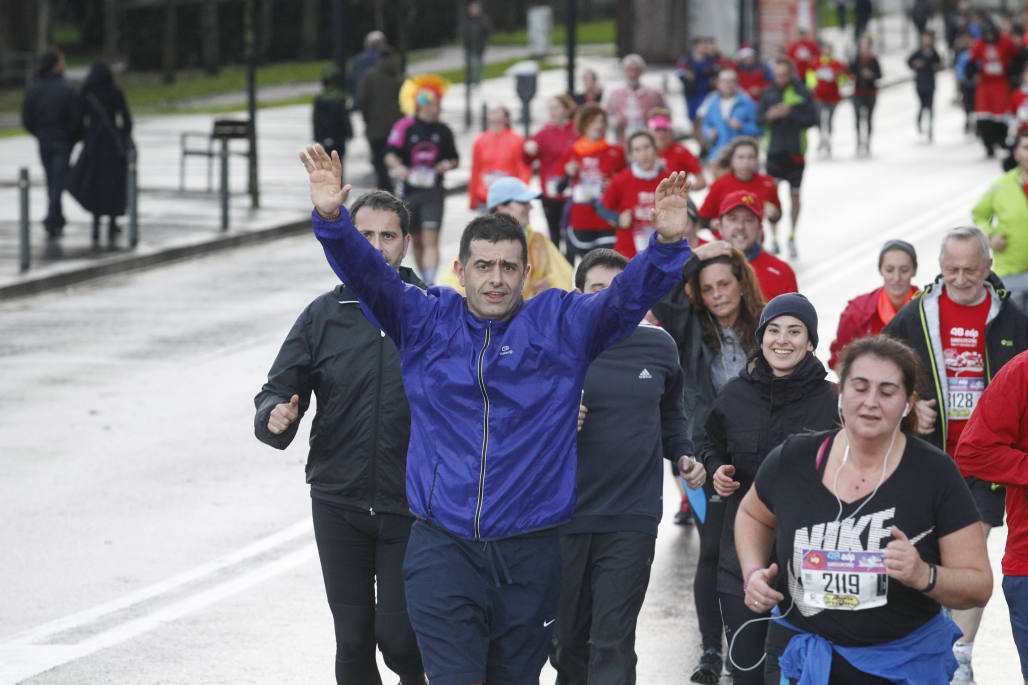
x=781, y=391
x=330, y=115
x=50, y=112
x=98, y=178
x=358, y=456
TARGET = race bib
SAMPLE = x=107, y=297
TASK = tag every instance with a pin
x=846, y=581
x=993, y=68
x=962, y=395
x=421, y=177
x=587, y=190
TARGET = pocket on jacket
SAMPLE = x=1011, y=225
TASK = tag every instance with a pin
x=744, y=452
x=431, y=490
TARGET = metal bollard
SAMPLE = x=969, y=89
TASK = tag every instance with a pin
x=485, y=116
x=224, y=184
x=132, y=198
x=24, y=248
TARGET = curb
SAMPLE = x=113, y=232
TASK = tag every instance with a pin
x=138, y=261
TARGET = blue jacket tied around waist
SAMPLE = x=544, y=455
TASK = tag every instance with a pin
x=494, y=404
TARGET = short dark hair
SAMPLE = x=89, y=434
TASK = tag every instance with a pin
x=601, y=256
x=641, y=134
x=493, y=228
x=889, y=349
x=380, y=199
x=47, y=61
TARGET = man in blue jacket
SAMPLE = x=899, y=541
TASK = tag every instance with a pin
x=728, y=114
x=494, y=385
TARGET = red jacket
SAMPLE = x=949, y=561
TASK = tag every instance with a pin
x=594, y=173
x=994, y=447
x=552, y=142
x=495, y=154
x=859, y=319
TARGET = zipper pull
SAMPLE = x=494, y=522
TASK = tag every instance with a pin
x=381, y=334
x=371, y=511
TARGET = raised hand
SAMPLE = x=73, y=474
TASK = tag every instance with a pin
x=283, y=415
x=325, y=174
x=670, y=212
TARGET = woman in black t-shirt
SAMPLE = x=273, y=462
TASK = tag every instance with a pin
x=874, y=530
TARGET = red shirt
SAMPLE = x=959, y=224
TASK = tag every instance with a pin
x=804, y=54
x=552, y=142
x=963, y=352
x=594, y=173
x=678, y=158
x=628, y=192
x=994, y=447
x=828, y=73
x=1017, y=107
x=753, y=79
x=775, y=276
x=761, y=185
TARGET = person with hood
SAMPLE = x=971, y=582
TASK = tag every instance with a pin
x=98, y=177
x=712, y=314
x=869, y=313
x=964, y=328
x=378, y=99
x=781, y=391
x=51, y=113
x=786, y=111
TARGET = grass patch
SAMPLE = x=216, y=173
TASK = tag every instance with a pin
x=494, y=69
x=600, y=31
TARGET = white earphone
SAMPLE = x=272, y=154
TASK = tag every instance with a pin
x=906, y=410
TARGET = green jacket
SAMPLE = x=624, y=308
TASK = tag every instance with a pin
x=1004, y=209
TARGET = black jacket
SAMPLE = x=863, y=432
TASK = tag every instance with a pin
x=359, y=436
x=51, y=110
x=633, y=392
x=787, y=135
x=752, y=414
x=917, y=324
x=675, y=313
x=97, y=178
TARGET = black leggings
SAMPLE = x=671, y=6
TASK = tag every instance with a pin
x=749, y=646
x=864, y=108
x=705, y=583
x=554, y=211
x=356, y=550
x=992, y=133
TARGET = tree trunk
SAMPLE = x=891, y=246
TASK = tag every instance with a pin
x=264, y=29
x=43, y=25
x=170, y=32
x=309, y=30
x=210, y=41
x=112, y=21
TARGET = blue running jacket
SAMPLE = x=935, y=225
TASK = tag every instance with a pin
x=494, y=404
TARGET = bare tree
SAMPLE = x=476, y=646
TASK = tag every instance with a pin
x=309, y=28
x=210, y=40
x=170, y=33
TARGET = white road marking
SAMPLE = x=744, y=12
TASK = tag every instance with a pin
x=24, y=654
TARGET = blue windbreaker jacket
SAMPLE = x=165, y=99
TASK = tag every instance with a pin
x=494, y=404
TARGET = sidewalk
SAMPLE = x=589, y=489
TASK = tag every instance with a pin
x=176, y=224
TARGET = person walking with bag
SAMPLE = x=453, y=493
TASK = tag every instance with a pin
x=99, y=175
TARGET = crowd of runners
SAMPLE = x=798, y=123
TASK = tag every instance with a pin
x=487, y=453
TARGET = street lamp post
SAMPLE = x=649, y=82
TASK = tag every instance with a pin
x=572, y=25
x=250, y=38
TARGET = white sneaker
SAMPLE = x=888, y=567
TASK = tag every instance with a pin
x=964, y=674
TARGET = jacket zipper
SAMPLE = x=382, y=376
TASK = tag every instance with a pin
x=940, y=400
x=485, y=435
x=373, y=466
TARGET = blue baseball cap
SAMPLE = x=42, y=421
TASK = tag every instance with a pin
x=507, y=189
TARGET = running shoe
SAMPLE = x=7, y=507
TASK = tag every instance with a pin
x=964, y=674
x=709, y=668
x=682, y=517
x=792, y=248
x=774, y=247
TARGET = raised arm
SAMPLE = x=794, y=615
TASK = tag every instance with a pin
x=393, y=306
